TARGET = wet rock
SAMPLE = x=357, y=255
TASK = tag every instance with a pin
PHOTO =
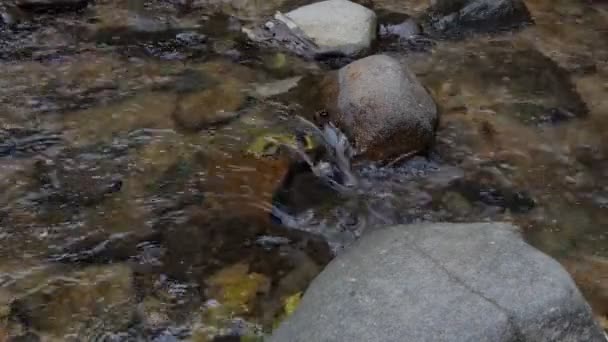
x=497, y=288
x=382, y=107
x=400, y=32
x=276, y=87
x=455, y=18
x=282, y=33
x=149, y=110
x=405, y=29
x=191, y=38
x=99, y=248
x=52, y=5
x=80, y=177
x=456, y=203
x=207, y=108
x=235, y=288
x=86, y=302
x=10, y=15
x=21, y=142
x=513, y=81
x=494, y=195
x=337, y=25
x=224, y=227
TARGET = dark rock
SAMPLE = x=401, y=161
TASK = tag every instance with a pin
x=214, y=106
x=519, y=82
x=453, y=19
x=52, y=6
x=76, y=302
x=27, y=337
x=80, y=176
x=100, y=248
x=191, y=38
x=495, y=195
x=22, y=142
x=10, y=16
x=442, y=282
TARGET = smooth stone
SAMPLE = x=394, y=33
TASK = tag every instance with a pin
x=337, y=25
x=382, y=107
x=442, y=282
x=276, y=88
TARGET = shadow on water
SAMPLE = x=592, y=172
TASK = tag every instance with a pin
x=149, y=157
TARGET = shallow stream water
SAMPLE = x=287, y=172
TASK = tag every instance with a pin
x=136, y=201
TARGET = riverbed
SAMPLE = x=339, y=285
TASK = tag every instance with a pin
x=137, y=204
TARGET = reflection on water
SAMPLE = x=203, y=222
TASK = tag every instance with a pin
x=149, y=193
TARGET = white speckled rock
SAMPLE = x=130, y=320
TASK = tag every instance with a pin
x=337, y=25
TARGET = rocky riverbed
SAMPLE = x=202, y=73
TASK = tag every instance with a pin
x=162, y=179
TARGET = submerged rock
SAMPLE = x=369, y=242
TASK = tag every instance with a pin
x=22, y=142
x=455, y=18
x=87, y=302
x=208, y=108
x=382, y=107
x=80, y=176
x=442, y=282
x=514, y=81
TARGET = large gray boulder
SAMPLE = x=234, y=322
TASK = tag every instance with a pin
x=382, y=107
x=442, y=282
x=337, y=25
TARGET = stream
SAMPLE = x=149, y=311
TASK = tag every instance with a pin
x=146, y=193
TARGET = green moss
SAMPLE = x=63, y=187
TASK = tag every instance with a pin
x=269, y=144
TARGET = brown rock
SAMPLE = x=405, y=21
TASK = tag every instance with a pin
x=209, y=107
x=79, y=302
x=382, y=108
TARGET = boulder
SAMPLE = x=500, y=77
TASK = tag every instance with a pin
x=337, y=25
x=442, y=282
x=382, y=107
x=455, y=18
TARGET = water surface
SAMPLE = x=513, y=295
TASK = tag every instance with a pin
x=135, y=204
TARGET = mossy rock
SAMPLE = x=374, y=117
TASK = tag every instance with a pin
x=270, y=144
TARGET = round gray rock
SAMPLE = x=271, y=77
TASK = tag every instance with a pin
x=383, y=108
x=442, y=282
x=337, y=25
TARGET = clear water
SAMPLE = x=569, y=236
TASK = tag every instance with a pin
x=151, y=218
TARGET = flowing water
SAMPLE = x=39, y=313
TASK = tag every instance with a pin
x=146, y=193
